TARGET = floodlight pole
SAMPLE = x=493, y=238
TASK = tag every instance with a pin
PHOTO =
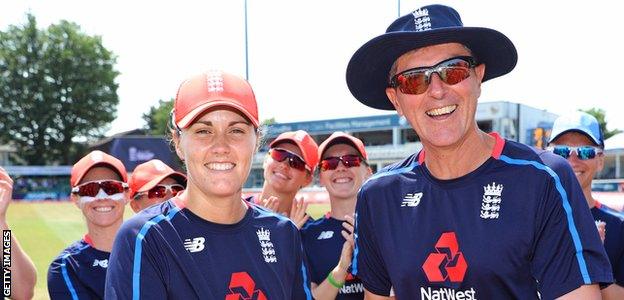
x=399, y=8
x=246, y=46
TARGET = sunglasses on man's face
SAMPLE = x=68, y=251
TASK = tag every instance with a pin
x=92, y=188
x=349, y=161
x=416, y=81
x=294, y=160
x=160, y=191
x=582, y=152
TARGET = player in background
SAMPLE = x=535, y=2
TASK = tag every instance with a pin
x=100, y=191
x=577, y=137
x=328, y=241
x=23, y=272
x=288, y=167
x=471, y=215
x=208, y=242
x=154, y=182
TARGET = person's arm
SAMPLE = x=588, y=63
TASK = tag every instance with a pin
x=23, y=272
x=613, y=292
x=329, y=288
x=370, y=296
x=585, y=292
x=568, y=258
x=133, y=271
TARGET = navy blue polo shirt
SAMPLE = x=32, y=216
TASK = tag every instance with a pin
x=78, y=272
x=516, y=226
x=322, y=242
x=614, y=238
x=167, y=252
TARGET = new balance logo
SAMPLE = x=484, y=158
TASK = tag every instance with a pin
x=325, y=235
x=194, y=245
x=101, y=263
x=411, y=200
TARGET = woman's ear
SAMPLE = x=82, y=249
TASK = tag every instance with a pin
x=175, y=138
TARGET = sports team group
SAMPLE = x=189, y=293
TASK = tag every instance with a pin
x=470, y=216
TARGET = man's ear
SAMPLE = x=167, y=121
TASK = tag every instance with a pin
x=392, y=95
x=75, y=199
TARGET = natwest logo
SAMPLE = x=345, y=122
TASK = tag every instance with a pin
x=447, y=263
x=243, y=287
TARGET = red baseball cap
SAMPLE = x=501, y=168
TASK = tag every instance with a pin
x=210, y=89
x=148, y=174
x=339, y=137
x=96, y=159
x=304, y=141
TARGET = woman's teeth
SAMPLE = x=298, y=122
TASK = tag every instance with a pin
x=220, y=166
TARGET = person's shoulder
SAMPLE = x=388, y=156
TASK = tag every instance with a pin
x=608, y=214
x=75, y=248
x=521, y=154
x=313, y=225
x=267, y=217
x=148, y=217
x=389, y=172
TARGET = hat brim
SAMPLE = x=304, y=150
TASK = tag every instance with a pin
x=304, y=155
x=177, y=176
x=588, y=134
x=199, y=110
x=368, y=69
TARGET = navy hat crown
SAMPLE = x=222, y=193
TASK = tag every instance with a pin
x=427, y=18
x=368, y=69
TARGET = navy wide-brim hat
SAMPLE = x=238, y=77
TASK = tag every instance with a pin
x=369, y=67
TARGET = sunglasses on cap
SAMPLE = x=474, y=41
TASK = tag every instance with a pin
x=582, y=152
x=349, y=161
x=92, y=188
x=294, y=160
x=160, y=191
x=416, y=81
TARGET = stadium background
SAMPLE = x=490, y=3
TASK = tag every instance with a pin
x=45, y=223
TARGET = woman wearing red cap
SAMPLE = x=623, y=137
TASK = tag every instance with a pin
x=99, y=189
x=154, y=182
x=328, y=241
x=288, y=167
x=208, y=243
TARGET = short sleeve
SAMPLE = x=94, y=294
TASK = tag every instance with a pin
x=567, y=251
x=132, y=269
x=618, y=265
x=367, y=262
x=63, y=282
x=301, y=286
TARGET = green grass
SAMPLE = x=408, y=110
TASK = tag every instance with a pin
x=45, y=229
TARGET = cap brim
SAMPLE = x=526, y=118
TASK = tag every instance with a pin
x=306, y=159
x=583, y=132
x=179, y=177
x=100, y=164
x=368, y=69
x=341, y=139
x=196, y=112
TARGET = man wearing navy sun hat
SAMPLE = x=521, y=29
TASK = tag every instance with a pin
x=577, y=137
x=472, y=215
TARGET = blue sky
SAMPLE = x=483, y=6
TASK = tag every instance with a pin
x=569, y=54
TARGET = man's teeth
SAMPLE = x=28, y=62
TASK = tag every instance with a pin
x=342, y=180
x=104, y=208
x=442, y=110
x=220, y=166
